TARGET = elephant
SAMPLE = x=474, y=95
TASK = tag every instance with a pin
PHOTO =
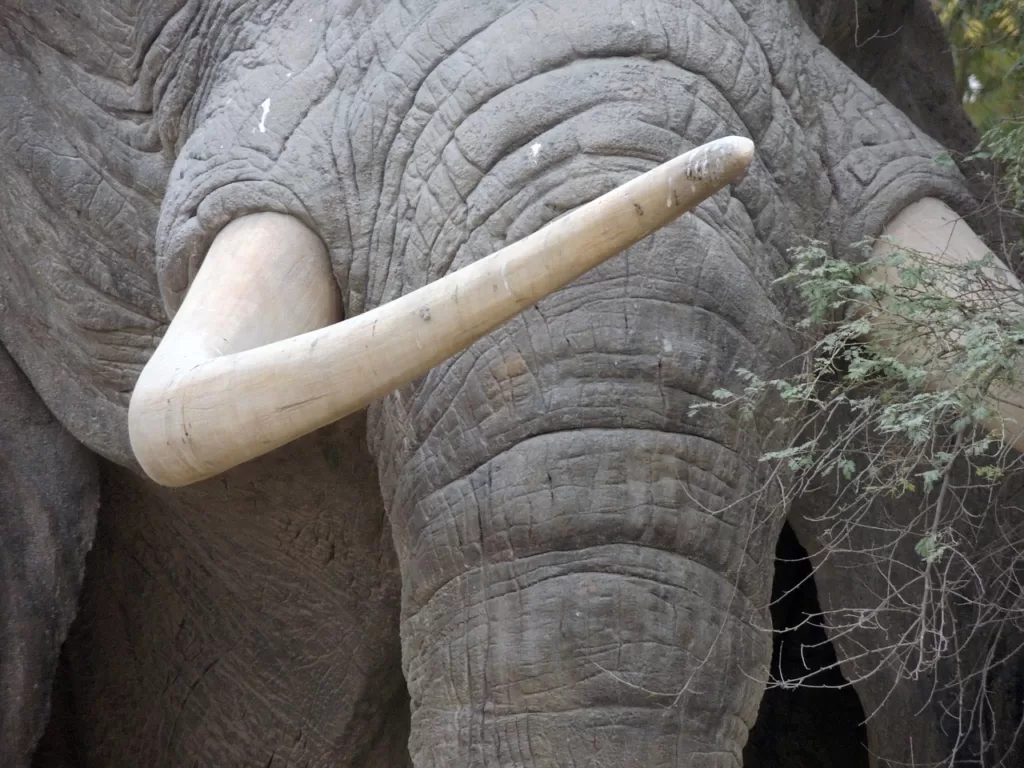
x=529, y=550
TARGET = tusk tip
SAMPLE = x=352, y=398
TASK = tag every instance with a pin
x=732, y=155
x=742, y=149
x=716, y=163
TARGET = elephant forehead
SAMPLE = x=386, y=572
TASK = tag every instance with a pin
x=516, y=102
x=378, y=130
x=355, y=91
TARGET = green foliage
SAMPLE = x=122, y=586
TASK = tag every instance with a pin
x=864, y=420
x=881, y=346
x=893, y=412
x=988, y=54
x=1004, y=143
x=895, y=399
x=985, y=37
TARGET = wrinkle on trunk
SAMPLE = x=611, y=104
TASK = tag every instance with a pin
x=584, y=606
x=582, y=579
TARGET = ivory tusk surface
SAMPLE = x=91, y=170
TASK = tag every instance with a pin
x=930, y=227
x=241, y=370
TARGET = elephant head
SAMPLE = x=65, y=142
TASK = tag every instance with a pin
x=582, y=577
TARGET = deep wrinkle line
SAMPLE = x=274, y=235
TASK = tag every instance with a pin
x=416, y=551
x=457, y=392
x=612, y=430
x=731, y=582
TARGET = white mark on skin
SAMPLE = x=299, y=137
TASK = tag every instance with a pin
x=265, y=106
x=287, y=74
x=504, y=276
x=535, y=149
x=666, y=346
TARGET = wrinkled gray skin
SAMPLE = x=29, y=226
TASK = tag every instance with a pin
x=559, y=542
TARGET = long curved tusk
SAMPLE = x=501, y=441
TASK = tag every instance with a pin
x=241, y=371
x=931, y=228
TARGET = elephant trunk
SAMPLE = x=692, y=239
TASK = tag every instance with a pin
x=583, y=579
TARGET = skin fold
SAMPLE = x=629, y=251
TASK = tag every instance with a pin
x=532, y=555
